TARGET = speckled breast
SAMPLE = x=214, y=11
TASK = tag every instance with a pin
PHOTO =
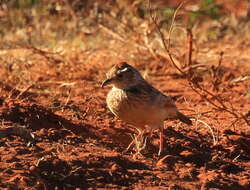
x=132, y=108
x=116, y=101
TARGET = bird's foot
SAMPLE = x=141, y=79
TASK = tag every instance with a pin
x=139, y=142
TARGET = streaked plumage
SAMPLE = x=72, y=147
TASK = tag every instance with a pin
x=135, y=101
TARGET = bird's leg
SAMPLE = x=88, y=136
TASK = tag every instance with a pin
x=131, y=144
x=161, y=142
x=137, y=141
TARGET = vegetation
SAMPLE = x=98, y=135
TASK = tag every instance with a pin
x=55, y=129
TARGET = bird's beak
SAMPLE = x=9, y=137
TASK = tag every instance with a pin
x=105, y=82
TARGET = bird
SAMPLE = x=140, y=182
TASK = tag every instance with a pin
x=133, y=100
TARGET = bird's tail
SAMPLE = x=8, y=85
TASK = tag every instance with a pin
x=184, y=118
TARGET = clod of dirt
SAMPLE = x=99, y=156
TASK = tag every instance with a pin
x=33, y=169
x=194, y=157
x=231, y=168
x=115, y=168
x=167, y=162
x=17, y=131
x=53, y=168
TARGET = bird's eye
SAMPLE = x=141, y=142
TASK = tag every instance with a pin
x=119, y=75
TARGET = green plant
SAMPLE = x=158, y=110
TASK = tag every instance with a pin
x=206, y=8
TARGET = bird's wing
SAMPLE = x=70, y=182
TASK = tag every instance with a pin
x=150, y=95
x=157, y=101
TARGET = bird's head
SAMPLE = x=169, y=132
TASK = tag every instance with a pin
x=122, y=75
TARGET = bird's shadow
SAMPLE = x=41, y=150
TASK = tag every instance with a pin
x=176, y=143
x=36, y=117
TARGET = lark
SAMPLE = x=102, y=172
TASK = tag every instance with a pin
x=133, y=100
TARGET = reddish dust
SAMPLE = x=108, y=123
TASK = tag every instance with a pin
x=78, y=143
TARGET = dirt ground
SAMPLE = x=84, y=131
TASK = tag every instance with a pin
x=78, y=143
x=57, y=133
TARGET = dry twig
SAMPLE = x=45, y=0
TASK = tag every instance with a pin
x=190, y=48
x=215, y=139
x=165, y=45
x=18, y=131
x=44, y=54
x=220, y=105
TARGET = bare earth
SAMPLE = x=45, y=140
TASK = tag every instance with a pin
x=79, y=144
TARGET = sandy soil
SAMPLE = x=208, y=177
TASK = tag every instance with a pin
x=78, y=144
